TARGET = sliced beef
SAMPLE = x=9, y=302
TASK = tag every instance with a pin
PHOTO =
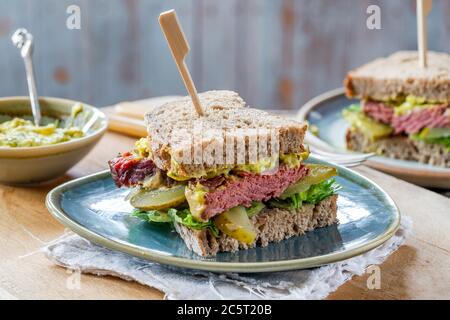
x=244, y=189
x=434, y=117
x=128, y=170
x=378, y=111
x=413, y=122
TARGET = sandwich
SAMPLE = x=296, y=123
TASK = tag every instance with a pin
x=404, y=111
x=230, y=180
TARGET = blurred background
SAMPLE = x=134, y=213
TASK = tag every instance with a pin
x=275, y=53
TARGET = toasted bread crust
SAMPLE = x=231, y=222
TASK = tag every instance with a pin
x=271, y=225
x=399, y=75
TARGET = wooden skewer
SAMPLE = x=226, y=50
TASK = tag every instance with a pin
x=179, y=47
x=423, y=9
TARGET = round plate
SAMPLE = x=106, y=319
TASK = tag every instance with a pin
x=324, y=112
x=95, y=209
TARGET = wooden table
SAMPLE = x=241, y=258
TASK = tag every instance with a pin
x=420, y=269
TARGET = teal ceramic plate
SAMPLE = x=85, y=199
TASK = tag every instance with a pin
x=95, y=209
x=324, y=112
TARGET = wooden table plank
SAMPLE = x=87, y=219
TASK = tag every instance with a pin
x=420, y=269
x=25, y=225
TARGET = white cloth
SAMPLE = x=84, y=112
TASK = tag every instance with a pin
x=74, y=252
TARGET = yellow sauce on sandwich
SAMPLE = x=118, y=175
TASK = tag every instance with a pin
x=413, y=103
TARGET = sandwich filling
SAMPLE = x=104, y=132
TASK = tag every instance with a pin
x=412, y=117
x=210, y=197
x=222, y=201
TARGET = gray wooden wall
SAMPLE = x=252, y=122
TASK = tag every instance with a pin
x=276, y=53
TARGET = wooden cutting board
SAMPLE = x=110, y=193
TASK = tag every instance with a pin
x=128, y=117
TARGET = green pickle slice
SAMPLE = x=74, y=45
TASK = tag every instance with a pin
x=317, y=174
x=369, y=127
x=162, y=198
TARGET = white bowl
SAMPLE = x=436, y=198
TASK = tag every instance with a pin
x=29, y=165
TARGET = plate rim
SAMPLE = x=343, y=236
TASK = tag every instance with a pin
x=304, y=111
x=53, y=205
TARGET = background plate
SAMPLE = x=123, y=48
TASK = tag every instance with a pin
x=324, y=111
x=95, y=209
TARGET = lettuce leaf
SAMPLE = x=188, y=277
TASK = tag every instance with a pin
x=152, y=216
x=313, y=195
x=320, y=191
x=444, y=141
x=255, y=208
x=185, y=218
x=172, y=215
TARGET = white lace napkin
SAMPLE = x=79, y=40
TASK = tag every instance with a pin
x=74, y=252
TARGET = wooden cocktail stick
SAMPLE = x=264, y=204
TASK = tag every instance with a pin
x=179, y=47
x=423, y=9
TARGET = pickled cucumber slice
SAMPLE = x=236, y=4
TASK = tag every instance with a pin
x=317, y=174
x=162, y=198
x=236, y=224
x=154, y=181
x=367, y=126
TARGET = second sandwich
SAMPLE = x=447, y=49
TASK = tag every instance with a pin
x=405, y=109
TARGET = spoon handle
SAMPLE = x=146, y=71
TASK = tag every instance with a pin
x=32, y=90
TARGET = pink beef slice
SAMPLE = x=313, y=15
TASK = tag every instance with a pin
x=434, y=117
x=245, y=189
x=378, y=111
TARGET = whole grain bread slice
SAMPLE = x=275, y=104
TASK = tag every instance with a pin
x=177, y=133
x=400, y=147
x=399, y=75
x=271, y=225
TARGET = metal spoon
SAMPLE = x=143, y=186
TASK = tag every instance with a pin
x=23, y=40
x=90, y=123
